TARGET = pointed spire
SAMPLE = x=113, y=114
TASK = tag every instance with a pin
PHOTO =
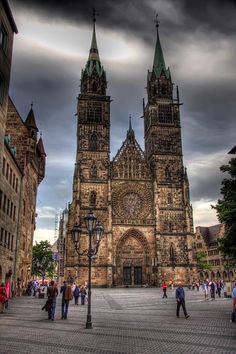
x=30, y=120
x=130, y=123
x=93, y=65
x=93, y=53
x=40, y=147
x=159, y=66
x=130, y=132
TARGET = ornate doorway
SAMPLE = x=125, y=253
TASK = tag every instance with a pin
x=132, y=259
x=127, y=278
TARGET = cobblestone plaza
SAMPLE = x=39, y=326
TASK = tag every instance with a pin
x=124, y=321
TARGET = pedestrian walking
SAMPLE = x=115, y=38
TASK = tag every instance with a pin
x=52, y=292
x=83, y=293
x=67, y=296
x=164, y=288
x=76, y=294
x=180, y=297
x=218, y=288
x=3, y=297
x=206, y=289
x=8, y=292
x=212, y=290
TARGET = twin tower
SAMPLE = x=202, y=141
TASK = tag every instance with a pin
x=140, y=197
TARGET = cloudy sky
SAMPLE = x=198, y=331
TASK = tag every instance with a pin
x=199, y=43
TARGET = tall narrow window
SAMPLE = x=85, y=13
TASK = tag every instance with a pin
x=93, y=171
x=167, y=173
x=93, y=142
x=93, y=198
x=169, y=199
x=172, y=255
x=1, y=236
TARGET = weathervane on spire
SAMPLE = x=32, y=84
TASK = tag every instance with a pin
x=156, y=21
x=31, y=105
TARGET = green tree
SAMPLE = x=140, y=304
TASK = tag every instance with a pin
x=226, y=210
x=42, y=260
x=201, y=261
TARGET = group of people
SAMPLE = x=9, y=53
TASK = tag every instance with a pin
x=208, y=286
x=68, y=292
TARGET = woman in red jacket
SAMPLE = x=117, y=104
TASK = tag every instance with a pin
x=3, y=297
x=164, y=287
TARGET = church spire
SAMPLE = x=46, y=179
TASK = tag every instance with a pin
x=159, y=67
x=130, y=132
x=93, y=71
x=93, y=53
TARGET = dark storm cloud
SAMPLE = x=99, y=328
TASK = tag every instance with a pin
x=198, y=40
x=213, y=15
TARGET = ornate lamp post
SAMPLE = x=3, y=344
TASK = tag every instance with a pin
x=95, y=232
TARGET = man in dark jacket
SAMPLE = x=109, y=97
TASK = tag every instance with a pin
x=52, y=293
x=180, y=297
x=67, y=295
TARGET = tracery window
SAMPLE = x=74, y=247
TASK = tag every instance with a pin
x=93, y=143
x=165, y=114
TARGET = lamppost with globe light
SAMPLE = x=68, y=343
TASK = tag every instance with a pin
x=95, y=233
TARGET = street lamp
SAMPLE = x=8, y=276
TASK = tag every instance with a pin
x=95, y=232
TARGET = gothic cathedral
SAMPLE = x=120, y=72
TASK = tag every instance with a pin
x=140, y=197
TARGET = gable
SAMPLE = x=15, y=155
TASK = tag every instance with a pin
x=130, y=163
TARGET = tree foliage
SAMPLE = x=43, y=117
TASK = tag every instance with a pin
x=201, y=262
x=226, y=210
x=42, y=260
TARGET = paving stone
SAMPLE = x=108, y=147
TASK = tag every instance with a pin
x=134, y=321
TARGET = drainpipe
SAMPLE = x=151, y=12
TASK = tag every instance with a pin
x=17, y=237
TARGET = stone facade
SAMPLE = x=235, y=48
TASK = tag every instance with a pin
x=29, y=159
x=207, y=241
x=7, y=30
x=140, y=197
x=10, y=173
x=10, y=196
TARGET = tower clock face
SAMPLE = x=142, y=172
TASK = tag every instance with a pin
x=131, y=201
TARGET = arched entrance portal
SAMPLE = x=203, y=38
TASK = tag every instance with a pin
x=132, y=259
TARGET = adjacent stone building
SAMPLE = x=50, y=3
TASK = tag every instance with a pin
x=207, y=241
x=141, y=197
x=30, y=157
x=7, y=30
x=10, y=172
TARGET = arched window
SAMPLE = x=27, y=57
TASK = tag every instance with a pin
x=93, y=197
x=169, y=199
x=93, y=142
x=93, y=171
